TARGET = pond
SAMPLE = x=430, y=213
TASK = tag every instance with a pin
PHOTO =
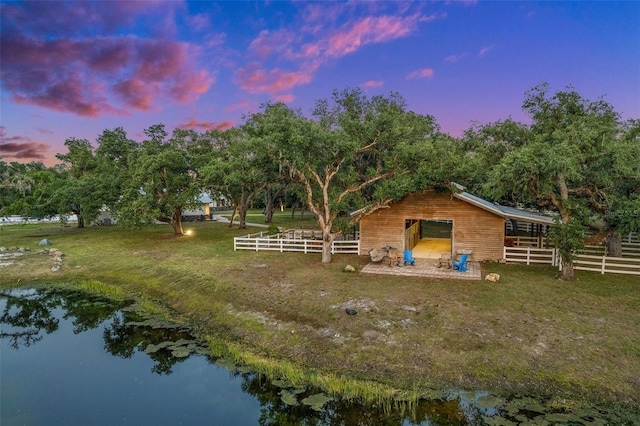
x=67, y=358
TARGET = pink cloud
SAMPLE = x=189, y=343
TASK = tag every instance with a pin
x=269, y=42
x=21, y=148
x=373, y=83
x=370, y=30
x=423, y=73
x=255, y=80
x=44, y=131
x=206, y=125
x=200, y=22
x=464, y=2
x=486, y=49
x=286, y=98
x=136, y=93
x=240, y=106
x=456, y=58
x=96, y=75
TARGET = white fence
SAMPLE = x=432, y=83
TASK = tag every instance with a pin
x=531, y=255
x=604, y=264
x=631, y=250
x=520, y=241
x=294, y=240
x=584, y=262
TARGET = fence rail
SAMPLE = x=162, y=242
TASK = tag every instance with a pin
x=520, y=241
x=530, y=255
x=291, y=241
x=583, y=262
x=604, y=264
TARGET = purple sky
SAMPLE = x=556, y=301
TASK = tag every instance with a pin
x=74, y=69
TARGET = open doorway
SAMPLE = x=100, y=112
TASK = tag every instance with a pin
x=428, y=239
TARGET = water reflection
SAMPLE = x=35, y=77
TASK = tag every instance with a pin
x=159, y=373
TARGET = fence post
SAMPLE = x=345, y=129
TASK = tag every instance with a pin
x=604, y=264
x=281, y=248
x=305, y=246
x=528, y=255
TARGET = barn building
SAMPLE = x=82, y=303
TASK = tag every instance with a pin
x=434, y=222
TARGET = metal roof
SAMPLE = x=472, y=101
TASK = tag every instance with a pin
x=503, y=211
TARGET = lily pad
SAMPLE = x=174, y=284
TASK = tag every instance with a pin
x=181, y=353
x=297, y=390
x=288, y=398
x=497, y=421
x=489, y=401
x=317, y=401
x=151, y=348
x=281, y=383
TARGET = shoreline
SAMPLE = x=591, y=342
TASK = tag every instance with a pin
x=418, y=335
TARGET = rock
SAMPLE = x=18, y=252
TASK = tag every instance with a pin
x=493, y=277
x=349, y=268
x=3, y=249
x=44, y=242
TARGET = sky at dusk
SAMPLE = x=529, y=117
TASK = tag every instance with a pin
x=76, y=68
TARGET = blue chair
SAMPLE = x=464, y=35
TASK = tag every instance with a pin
x=408, y=258
x=462, y=264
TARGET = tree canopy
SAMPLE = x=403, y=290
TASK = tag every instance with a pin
x=354, y=153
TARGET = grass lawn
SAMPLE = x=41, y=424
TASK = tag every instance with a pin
x=530, y=332
x=281, y=219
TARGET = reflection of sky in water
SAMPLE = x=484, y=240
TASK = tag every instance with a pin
x=471, y=403
x=72, y=380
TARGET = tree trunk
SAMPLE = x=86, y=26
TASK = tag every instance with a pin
x=176, y=222
x=80, y=220
x=567, y=270
x=245, y=201
x=327, y=240
x=269, y=198
x=233, y=215
x=613, y=244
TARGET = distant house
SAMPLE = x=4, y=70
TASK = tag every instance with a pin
x=434, y=222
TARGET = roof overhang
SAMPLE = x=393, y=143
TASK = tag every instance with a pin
x=460, y=193
x=503, y=211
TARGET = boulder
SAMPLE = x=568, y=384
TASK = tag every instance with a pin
x=493, y=277
x=44, y=242
x=349, y=268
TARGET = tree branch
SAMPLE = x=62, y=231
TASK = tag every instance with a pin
x=364, y=184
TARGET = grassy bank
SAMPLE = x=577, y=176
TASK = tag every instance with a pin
x=529, y=332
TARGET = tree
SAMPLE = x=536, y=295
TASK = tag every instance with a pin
x=81, y=193
x=352, y=144
x=236, y=170
x=160, y=182
x=621, y=211
x=113, y=156
x=559, y=163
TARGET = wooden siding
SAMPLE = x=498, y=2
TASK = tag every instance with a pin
x=473, y=228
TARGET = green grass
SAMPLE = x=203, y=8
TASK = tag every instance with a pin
x=281, y=219
x=285, y=314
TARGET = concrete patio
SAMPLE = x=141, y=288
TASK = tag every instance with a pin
x=427, y=268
